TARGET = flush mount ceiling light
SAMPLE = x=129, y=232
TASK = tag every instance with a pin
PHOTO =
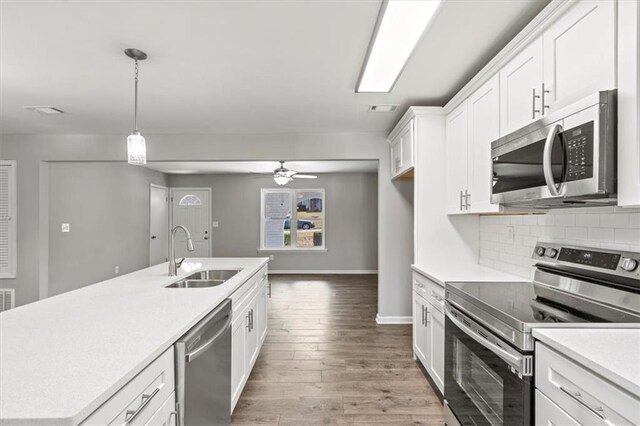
x=46, y=110
x=136, y=145
x=400, y=25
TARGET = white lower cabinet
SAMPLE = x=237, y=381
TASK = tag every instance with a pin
x=428, y=327
x=137, y=401
x=549, y=414
x=166, y=415
x=580, y=393
x=249, y=329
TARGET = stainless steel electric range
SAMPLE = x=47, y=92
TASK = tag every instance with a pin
x=489, y=348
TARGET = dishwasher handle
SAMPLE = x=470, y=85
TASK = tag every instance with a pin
x=191, y=356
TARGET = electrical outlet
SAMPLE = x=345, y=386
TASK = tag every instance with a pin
x=272, y=257
x=66, y=227
x=510, y=234
x=117, y=270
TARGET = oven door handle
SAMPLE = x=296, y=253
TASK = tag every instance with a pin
x=547, y=168
x=513, y=360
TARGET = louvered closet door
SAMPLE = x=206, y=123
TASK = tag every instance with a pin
x=7, y=219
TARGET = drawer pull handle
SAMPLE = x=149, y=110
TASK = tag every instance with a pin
x=146, y=399
x=598, y=411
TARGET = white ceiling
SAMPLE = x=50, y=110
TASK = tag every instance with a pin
x=229, y=66
x=215, y=167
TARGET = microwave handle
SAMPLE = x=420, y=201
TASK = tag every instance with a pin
x=546, y=159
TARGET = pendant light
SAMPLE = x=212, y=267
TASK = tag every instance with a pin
x=136, y=146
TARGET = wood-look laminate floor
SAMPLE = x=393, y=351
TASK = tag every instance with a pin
x=326, y=361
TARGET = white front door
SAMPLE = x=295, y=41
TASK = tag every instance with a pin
x=191, y=208
x=158, y=224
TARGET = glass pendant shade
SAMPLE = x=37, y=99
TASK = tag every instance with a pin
x=136, y=149
x=281, y=180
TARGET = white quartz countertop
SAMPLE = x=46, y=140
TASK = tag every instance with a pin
x=611, y=352
x=465, y=272
x=63, y=357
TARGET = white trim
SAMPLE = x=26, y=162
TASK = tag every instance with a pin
x=169, y=205
x=386, y=320
x=321, y=272
x=11, y=271
x=292, y=250
x=534, y=29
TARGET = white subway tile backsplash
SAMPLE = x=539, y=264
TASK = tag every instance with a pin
x=604, y=227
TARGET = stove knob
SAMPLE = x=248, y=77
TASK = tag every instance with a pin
x=628, y=264
x=540, y=251
x=551, y=252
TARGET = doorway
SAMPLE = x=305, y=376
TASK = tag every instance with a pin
x=158, y=224
x=191, y=207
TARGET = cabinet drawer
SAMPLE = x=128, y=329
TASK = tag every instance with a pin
x=166, y=414
x=584, y=395
x=431, y=291
x=549, y=414
x=243, y=295
x=139, y=399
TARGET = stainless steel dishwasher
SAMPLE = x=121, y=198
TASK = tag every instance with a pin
x=203, y=370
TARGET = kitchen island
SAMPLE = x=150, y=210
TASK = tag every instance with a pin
x=61, y=358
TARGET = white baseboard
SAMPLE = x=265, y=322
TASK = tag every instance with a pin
x=393, y=320
x=316, y=272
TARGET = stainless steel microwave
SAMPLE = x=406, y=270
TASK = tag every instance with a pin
x=565, y=159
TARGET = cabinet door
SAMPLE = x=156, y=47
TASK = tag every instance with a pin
x=484, y=128
x=435, y=346
x=456, y=158
x=262, y=315
x=580, y=53
x=518, y=79
x=396, y=155
x=239, y=367
x=253, y=348
x=549, y=414
x=419, y=329
x=166, y=414
x=406, y=141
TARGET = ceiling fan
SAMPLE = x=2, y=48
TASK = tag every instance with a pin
x=283, y=176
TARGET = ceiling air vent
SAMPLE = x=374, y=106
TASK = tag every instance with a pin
x=383, y=108
x=7, y=299
x=46, y=110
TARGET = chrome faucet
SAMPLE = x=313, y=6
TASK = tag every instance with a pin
x=172, y=259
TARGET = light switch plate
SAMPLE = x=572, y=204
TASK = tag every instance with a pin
x=214, y=224
x=66, y=227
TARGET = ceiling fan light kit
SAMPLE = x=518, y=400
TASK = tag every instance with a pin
x=136, y=145
x=283, y=176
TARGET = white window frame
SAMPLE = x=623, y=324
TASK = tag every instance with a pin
x=294, y=219
x=10, y=272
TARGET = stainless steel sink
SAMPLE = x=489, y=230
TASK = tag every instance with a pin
x=213, y=274
x=203, y=279
x=196, y=283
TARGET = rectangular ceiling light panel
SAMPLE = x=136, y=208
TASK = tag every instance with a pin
x=399, y=29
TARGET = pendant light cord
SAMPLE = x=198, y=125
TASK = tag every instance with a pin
x=135, y=113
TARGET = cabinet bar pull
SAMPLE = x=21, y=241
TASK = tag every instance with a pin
x=598, y=411
x=422, y=306
x=466, y=199
x=533, y=107
x=176, y=413
x=461, y=200
x=543, y=101
x=146, y=399
x=426, y=317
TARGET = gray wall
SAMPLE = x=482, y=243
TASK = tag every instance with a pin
x=107, y=207
x=395, y=212
x=351, y=219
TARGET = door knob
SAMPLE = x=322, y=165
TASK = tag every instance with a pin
x=206, y=238
x=153, y=237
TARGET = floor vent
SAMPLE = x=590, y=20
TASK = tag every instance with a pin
x=7, y=299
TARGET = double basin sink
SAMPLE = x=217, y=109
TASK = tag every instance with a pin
x=203, y=279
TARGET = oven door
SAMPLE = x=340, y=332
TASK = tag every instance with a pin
x=484, y=381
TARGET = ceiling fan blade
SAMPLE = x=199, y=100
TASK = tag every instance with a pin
x=304, y=176
x=288, y=173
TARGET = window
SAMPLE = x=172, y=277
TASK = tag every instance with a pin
x=282, y=207
x=7, y=219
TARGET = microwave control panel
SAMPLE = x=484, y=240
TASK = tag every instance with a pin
x=578, y=143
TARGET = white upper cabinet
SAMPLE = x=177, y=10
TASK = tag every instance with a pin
x=484, y=127
x=401, y=141
x=520, y=89
x=580, y=53
x=456, y=155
